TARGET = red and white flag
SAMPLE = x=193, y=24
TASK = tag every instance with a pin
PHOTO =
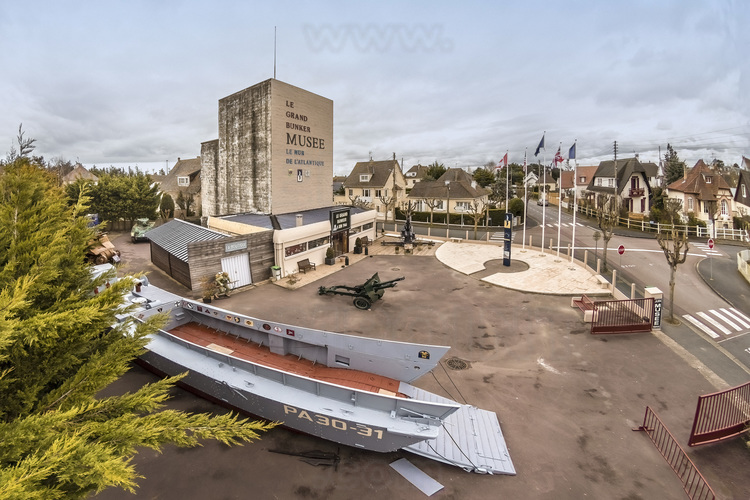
x=558, y=157
x=502, y=163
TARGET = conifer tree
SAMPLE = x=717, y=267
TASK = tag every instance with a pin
x=58, y=349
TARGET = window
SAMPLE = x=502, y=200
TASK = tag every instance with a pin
x=367, y=226
x=351, y=192
x=690, y=204
x=462, y=206
x=724, y=208
x=582, y=179
x=365, y=193
x=317, y=243
x=378, y=193
x=599, y=181
x=439, y=205
x=744, y=192
x=183, y=181
x=708, y=179
x=364, y=177
x=295, y=249
x=610, y=182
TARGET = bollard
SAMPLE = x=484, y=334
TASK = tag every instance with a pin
x=367, y=251
x=346, y=260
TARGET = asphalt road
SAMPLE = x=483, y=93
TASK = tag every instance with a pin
x=567, y=401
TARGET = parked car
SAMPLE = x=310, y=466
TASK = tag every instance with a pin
x=541, y=202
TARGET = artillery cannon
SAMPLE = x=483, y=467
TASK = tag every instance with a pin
x=365, y=294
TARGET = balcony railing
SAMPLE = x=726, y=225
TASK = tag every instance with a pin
x=636, y=192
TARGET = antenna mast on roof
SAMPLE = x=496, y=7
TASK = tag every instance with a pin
x=274, y=52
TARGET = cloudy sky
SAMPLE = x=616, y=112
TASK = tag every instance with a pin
x=138, y=82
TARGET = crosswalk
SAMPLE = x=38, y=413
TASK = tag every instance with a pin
x=703, y=247
x=565, y=224
x=720, y=323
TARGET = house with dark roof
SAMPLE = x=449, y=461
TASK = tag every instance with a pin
x=455, y=191
x=414, y=175
x=742, y=195
x=373, y=183
x=583, y=175
x=705, y=193
x=184, y=181
x=628, y=179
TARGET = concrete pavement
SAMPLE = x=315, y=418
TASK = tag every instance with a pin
x=567, y=401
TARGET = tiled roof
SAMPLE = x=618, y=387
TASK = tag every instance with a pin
x=289, y=220
x=626, y=167
x=378, y=172
x=183, y=168
x=694, y=182
x=175, y=235
x=462, y=187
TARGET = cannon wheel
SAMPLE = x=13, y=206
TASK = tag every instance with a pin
x=362, y=303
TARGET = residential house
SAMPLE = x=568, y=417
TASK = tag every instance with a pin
x=79, y=172
x=414, y=175
x=704, y=192
x=376, y=184
x=742, y=195
x=583, y=175
x=183, y=182
x=628, y=179
x=456, y=190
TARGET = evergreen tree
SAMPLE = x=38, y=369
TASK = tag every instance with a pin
x=674, y=168
x=434, y=171
x=58, y=349
x=166, y=208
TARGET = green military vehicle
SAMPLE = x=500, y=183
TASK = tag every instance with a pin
x=139, y=229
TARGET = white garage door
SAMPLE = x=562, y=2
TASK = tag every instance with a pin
x=238, y=268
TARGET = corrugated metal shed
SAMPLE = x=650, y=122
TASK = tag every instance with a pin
x=175, y=235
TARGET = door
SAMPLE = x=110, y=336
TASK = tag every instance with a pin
x=238, y=269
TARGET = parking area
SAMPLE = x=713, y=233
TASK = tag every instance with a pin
x=567, y=401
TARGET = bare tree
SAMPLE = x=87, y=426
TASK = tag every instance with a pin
x=477, y=209
x=387, y=202
x=606, y=219
x=358, y=202
x=432, y=204
x=675, y=245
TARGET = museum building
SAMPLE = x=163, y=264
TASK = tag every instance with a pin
x=267, y=182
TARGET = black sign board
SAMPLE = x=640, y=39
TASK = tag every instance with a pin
x=508, y=234
x=340, y=220
x=657, y=313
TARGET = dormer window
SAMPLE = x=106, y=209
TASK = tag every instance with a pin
x=364, y=177
x=183, y=181
x=708, y=179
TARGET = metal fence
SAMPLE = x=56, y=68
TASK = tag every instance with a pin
x=693, y=482
x=622, y=316
x=721, y=415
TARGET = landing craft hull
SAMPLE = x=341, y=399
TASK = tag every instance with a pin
x=315, y=382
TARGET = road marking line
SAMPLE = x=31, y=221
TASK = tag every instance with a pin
x=733, y=313
x=740, y=314
x=725, y=319
x=700, y=325
x=714, y=322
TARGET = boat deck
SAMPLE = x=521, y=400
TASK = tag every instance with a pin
x=249, y=351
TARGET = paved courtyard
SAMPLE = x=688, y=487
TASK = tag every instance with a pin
x=567, y=401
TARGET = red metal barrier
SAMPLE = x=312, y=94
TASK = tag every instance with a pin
x=693, y=482
x=721, y=415
x=622, y=316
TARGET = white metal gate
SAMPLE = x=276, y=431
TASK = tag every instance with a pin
x=238, y=268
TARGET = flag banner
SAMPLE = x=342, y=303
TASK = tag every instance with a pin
x=572, y=152
x=540, y=146
x=504, y=161
x=558, y=158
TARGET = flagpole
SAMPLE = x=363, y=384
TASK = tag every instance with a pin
x=544, y=188
x=506, y=180
x=575, y=198
x=559, y=205
x=525, y=200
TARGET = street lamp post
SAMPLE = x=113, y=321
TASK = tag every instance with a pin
x=448, y=210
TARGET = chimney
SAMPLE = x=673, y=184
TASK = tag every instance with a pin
x=299, y=220
x=178, y=158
